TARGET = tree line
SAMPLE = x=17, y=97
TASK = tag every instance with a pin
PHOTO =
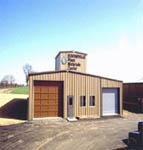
x=10, y=79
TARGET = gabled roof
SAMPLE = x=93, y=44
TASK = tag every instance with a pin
x=80, y=73
x=70, y=52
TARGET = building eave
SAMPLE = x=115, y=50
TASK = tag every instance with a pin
x=74, y=72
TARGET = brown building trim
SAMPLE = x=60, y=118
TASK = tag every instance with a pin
x=50, y=72
x=70, y=52
x=45, y=72
x=134, y=83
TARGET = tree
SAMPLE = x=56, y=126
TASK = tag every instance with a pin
x=8, y=79
x=27, y=68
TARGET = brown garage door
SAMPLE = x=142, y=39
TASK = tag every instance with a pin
x=47, y=99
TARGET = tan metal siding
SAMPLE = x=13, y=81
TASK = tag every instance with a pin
x=105, y=83
x=30, y=108
x=78, y=85
x=99, y=92
x=82, y=110
x=109, y=83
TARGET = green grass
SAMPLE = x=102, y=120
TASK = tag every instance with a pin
x=20, y=90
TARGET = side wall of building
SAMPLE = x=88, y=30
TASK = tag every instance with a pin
x=133, y=96
x=106, y=83
x=132, y=91
x=77, y=85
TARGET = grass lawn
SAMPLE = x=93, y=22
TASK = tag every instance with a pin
x=20, y=90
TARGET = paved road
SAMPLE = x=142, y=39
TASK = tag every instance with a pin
x=58, y=134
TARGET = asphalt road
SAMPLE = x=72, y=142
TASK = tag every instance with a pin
x=58, y=134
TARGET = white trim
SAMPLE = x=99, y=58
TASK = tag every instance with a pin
x=111, y=114
x=91, y=106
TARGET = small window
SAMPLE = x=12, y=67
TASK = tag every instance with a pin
x=92, y=101
x=82, y=101
x=70, y=100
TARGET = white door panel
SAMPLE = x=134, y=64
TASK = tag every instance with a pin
x=109, y=101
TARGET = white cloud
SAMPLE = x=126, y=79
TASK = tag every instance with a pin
x=123, y=62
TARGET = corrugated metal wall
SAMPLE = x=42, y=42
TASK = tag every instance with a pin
x=132, y=97
x=78, y=85
x=132, y=91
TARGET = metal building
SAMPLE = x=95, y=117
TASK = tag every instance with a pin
x=133, y=96
x=71, y=92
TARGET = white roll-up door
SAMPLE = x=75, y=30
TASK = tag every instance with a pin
x=110, y=101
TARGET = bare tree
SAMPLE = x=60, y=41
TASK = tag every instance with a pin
x=27, y=68
x=8, y=79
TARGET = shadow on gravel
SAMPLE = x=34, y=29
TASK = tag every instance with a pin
x=16, y=109
x=134, y=108
x=125, y=141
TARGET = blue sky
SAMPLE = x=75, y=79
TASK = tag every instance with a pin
x=34, y=31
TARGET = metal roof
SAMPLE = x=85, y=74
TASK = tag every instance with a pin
x=80, y=73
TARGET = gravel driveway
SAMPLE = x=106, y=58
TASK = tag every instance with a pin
x=58, y=134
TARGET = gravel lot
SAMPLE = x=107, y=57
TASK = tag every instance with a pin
x=58, y=134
